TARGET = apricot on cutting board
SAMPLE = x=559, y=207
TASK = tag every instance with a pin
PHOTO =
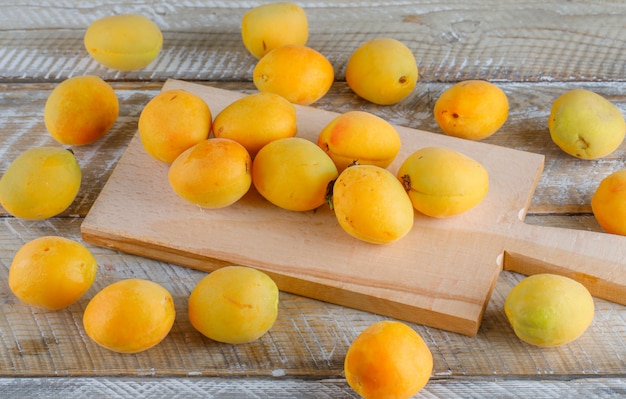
x=255, y=120
x=171, y=122
x=214, y=173
x=293, y=173
x=359, y=136
x=442, y=182
x=370, y=204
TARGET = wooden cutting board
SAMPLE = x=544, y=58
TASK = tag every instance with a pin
x=441, y=274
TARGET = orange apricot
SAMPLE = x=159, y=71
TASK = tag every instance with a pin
x=382, y=71
x=52, y=272
x=371, y=204
x=234, y=304
x=472, y=109
x=81, y=110
x=293, y=173
x=214, y=173
x=255, y=120
x=268, y=26
x=173, y=121
x=608, y=203
x=124, y=42
x=388, y=360
x=362, y=137
x=299, y=73
x=130, y=316
x=442, y=182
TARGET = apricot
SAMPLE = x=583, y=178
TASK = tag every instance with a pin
x=370, y=204
x=234, y=304
x=130, y=316
x=214, y=173
x=171, y=122
x=124, y=42
x=40, y=183
x=268, y=26
x=608, y=203
x=362, y=137
x=80, y=110
x=442, y=182
x=293, y=173
x=388, y=360
x=382, y=71
x=255, y=120
x=586, y=125
x=472, y=109
x=549, y=310
x=299, y=73
x=52, y=272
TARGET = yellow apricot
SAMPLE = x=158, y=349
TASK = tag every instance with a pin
x=173, y=121
x=362, y=137
x=234, y=304
x=586, y=125
x=472, y=109
x=130, y=316
x=370, y=204
x=52, y=272
x=124, y=42
x=382, y=71
x=214, y=173
x=549, y=310
x=442, y=182
x=388, y=360
x=40, y=183
x=608, y=203
x=299, y=73
x=268, y=26
x=255, y=120
x=293, y=173
x=81, y=110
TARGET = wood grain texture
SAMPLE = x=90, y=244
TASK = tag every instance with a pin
x=310, y=338
x=420, y=278
x=535, y=50
x=565, y=187
x=496, y=40
x=280, y=388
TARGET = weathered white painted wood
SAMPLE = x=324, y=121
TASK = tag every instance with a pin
x=565, y=186
x=280, y=388
x=310, y=338
x=535, y=50
x=494, y=40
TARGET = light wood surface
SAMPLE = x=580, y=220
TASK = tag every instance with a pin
x=421, y=278
x=534, y=50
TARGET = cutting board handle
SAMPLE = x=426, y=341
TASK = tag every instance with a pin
x=597, y=260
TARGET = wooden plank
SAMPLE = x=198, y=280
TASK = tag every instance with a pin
x=565, y=187
x=495, y=40
x=279, y=388
x=416, y=278
x=309, y=339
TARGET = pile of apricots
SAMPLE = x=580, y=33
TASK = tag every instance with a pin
x=214, y=160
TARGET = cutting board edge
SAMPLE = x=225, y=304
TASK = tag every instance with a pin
x=305, y=287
